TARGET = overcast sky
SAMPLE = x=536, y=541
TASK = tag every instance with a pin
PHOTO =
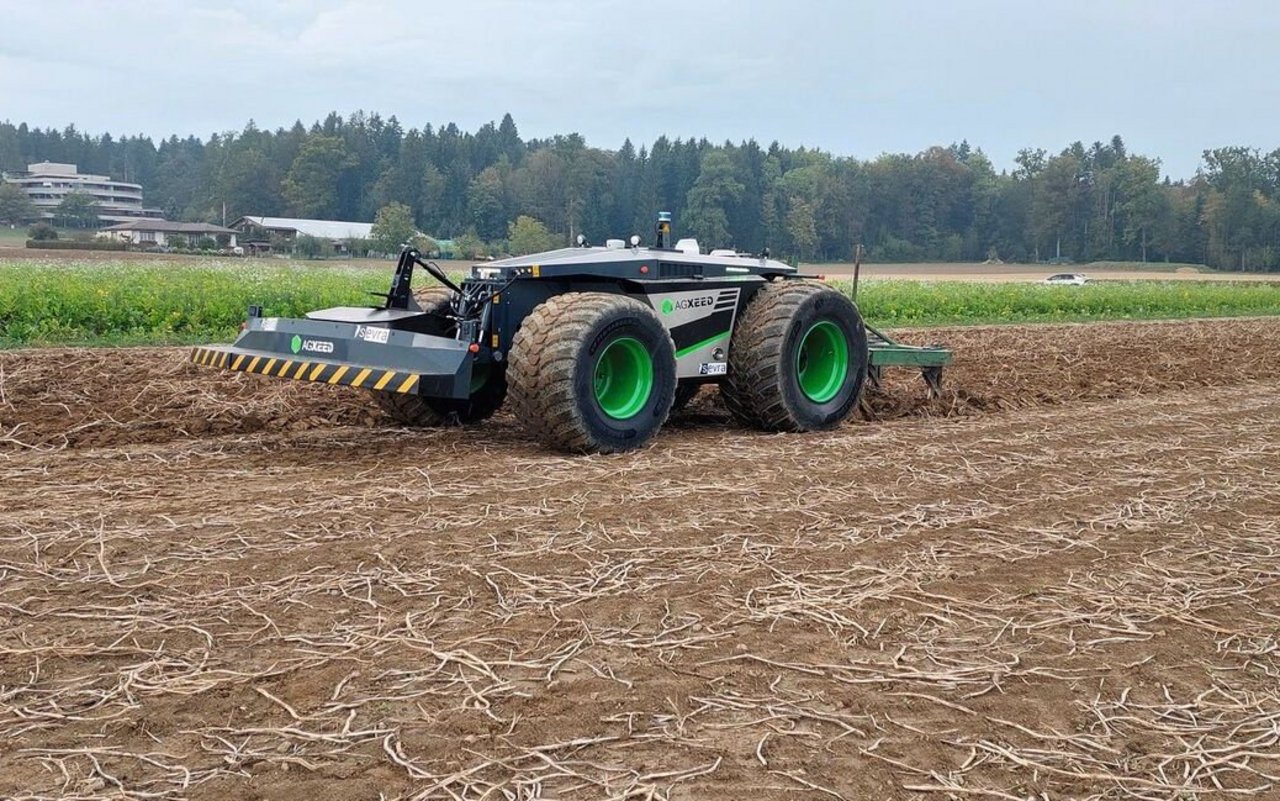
x=1173, y=77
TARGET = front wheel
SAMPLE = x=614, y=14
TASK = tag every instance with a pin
x=797, y=359
x=592, y=372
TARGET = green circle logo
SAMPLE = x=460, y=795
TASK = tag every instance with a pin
x=668, y=306
x=295, y=344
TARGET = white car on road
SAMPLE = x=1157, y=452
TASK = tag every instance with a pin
x=1068, y=279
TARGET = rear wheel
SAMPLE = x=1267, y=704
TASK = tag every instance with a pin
x=592, y=372
x=798, y=358
x=488, y=383
x=434, y=299
x=437, y=302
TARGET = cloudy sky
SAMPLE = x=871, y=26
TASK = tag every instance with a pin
x=855, y=78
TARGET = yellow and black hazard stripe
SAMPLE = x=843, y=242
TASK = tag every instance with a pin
x=210, y=357
x=302, y=370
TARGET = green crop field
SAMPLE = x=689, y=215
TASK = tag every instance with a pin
x=922, y=303
x=157, y=302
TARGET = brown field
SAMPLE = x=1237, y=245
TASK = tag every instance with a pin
x=1058, y=581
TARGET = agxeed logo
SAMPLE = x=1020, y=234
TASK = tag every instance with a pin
x=670, y=305
x=298, y=344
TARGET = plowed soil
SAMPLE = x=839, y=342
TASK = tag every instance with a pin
x=1060, y=580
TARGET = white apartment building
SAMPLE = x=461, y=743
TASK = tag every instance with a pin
x=47, y=183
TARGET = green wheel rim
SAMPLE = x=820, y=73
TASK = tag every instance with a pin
x=822, y=361
x=623, y=378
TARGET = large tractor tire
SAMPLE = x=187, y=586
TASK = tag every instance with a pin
x=433, y=298
x=797, y=359
x=488, y=384
x=592, y=372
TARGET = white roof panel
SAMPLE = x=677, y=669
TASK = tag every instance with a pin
x=321, y=229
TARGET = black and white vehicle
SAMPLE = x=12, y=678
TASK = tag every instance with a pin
x=590, y=347
x=1067, y=279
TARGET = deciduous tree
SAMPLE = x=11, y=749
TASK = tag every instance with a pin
x=393, y=228
x=485, y=208
x=15, y=207
x=526, y=235
x=715, y=188
x=77, y=210
x=468, y=245
x=310, y=247
x=311, y=186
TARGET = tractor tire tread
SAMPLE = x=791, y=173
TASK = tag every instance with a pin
x=541, y=367
x=753, y=388
x=433, y=298
x=409, y=410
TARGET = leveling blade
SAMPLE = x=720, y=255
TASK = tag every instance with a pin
x=346, y=354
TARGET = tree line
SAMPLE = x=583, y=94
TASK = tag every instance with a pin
x=948, y=203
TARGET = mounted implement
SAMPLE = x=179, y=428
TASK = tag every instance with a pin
x=592, y=346
x=885, y=351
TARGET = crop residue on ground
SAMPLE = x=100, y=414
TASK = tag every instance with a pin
x=1057, y=581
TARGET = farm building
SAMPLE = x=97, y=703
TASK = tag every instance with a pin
x=163, y=233
x=258, y=233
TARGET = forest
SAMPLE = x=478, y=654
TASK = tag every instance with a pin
x=948, y=203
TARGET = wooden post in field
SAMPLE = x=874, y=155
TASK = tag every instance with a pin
x=857, y=267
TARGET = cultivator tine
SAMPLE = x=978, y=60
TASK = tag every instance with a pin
x=933, y=380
